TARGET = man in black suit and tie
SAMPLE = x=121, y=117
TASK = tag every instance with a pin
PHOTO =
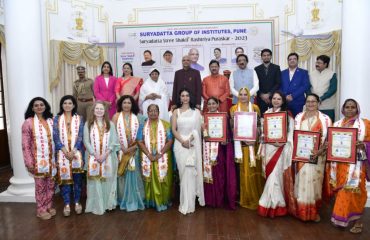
x=269, y=77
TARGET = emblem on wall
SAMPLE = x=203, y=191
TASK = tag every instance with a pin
x=78, y=24
x=315, y=14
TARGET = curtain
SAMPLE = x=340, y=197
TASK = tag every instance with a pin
x=309, y=49
x=64, y=58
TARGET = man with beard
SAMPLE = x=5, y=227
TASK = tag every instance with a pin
x=190, y=79
x=243, y=77
x=324, y=84
x=294, y=84
x=269, y=75
x=215, y=85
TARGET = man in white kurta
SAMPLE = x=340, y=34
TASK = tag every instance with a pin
x=243, y=77
x=324, y=84
x=154, y=91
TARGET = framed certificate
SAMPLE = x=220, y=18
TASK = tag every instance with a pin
x=305, y=143
x=275, y=127
x=216, y=126
x=245, y=126
x=342, y=144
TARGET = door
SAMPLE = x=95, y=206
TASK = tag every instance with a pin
x=4, y=145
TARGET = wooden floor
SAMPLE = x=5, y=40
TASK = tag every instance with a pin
x=18, y=221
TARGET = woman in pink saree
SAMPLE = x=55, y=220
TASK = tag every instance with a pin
x=128, y=84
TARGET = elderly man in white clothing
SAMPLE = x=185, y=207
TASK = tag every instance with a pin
x=154, y=91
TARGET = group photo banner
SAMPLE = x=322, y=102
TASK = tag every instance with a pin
x=168, y=43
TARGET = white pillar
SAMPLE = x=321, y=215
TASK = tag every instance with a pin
x=25, y=81
x=355, y=57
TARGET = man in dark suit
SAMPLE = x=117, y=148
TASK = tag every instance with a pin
x=190, y=79
x=269, y=80
x=294, y=84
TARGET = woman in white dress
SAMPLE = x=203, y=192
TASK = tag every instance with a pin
x=154, y=91
x=276, y=165
x=186, y=127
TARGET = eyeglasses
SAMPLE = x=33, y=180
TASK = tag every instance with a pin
x=311, y=101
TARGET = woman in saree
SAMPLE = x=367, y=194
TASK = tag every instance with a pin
x=186, y=128
x=219, y=168
x=39, y=157
x=68, y=133
x=104, y=88
x=276, y=165
x=128, y=84
x=308, y=180
x=347, y=181
x=154, y=91
x=100, y=139
x=155, y=141
x=130, y=184
x=250, y=169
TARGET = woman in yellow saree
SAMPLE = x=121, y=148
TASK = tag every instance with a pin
x=250, y=168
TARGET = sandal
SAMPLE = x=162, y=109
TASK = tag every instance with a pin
x=52, y=211
x=78, y=208
x=357, y=228
x=66, y=211
x=44, y=215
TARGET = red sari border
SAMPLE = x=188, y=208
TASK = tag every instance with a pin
x=272, y=212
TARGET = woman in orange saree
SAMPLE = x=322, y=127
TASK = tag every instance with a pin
x=128, y=84
x=347, y=181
